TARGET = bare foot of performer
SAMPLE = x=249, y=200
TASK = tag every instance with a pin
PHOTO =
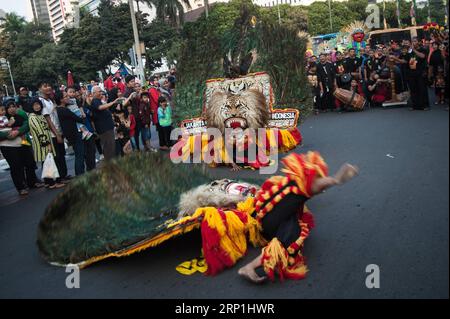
x=235, y=167
x=343, y=175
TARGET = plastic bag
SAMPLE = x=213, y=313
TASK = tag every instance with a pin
x=49, y=169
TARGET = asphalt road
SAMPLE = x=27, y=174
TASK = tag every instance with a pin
x=394, y=215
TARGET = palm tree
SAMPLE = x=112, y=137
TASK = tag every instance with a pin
x=12, y=23
x=170, y=10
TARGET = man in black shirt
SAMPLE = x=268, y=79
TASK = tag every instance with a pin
x=68, y=122
x=378, y=60
x=352, y=64
x=339, y=64
x=103, y=122
x=416, y=62
x=133, y=98
x=327, y=83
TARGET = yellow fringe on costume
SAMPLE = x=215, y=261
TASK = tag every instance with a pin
x=220, y=153
x=276, y=259
x=288, y=141
x=253, y=227
x=275, y=255
x=231, y=229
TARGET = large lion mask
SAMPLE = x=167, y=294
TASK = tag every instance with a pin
x=247, y=109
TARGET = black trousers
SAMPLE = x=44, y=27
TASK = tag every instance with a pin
x=137, y=133
x=89, y=154
x=326, y=102
x=22, y=165
x=282, y=221
x=419, y=92
x=60, y=158
x=98, y=145
x=164, y=136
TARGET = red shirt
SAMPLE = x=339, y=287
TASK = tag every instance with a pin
x=108, y=84
x=121, y=87
x=154, y=96
x=132, y=125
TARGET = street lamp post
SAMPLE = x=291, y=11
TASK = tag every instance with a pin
x=5, y=64
x=137, y=46
x=6, y=89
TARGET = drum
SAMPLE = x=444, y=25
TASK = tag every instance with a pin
x=351, y=98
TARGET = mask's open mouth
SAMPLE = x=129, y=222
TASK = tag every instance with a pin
x=236, y=122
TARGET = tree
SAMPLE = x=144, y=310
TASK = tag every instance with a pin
x=12, y=23
x=116, y=30
x=171, y=11
x=86, y=55
x=159, y=38
x=22, y=47
x=319, y=17
x=46, y=64
x=99, y=41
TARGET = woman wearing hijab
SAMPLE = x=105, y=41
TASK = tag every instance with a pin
x=42, y=138
x=16, y=148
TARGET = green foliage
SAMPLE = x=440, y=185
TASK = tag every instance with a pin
x=160, y=40
x=319, y=17
x=284, y=61
x=345, y=12
x=12, y=23
x=170, y=11
x=99, y=40
x=85, y=55
x=45, y=65
x=29, y=44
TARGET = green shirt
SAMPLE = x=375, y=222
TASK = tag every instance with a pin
x=165, y=116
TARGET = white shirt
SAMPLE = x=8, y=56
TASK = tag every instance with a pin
x=50, y=109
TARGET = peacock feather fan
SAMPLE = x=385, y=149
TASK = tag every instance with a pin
x=114, y=208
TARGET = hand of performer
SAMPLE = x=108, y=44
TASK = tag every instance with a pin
x=346, y=173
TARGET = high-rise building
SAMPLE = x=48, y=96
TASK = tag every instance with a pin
x=40, y=11
x=90, y=5
x=62, y=13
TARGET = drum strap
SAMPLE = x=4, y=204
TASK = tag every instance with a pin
x=352, y=98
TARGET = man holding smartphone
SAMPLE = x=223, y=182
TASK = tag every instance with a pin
x=133, y=99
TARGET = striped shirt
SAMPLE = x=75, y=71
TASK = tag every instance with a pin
x=42, y=138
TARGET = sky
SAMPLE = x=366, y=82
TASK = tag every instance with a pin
x=21, y=7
